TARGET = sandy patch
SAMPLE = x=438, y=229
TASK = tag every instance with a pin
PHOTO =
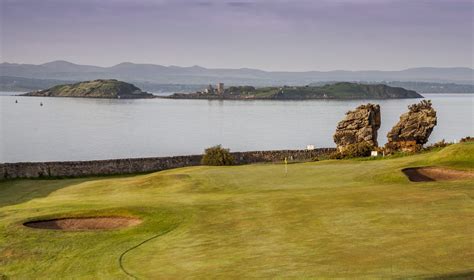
x=86, y=223
x=429, y=174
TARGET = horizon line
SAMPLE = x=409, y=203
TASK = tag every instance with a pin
x=239, y=68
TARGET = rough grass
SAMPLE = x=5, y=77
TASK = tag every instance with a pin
x=328, y=219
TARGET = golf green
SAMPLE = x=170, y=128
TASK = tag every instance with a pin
x=328, y=219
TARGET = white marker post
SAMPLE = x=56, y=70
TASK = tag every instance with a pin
x=286, y=166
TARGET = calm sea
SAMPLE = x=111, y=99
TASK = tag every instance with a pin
x=86, y=129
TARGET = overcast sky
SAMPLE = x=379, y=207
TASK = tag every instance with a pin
x=265, y=34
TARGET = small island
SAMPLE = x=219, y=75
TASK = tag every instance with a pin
x=341, y=90
x=112, y=89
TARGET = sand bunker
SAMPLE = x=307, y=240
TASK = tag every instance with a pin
x=428, y=174
x=85, y=223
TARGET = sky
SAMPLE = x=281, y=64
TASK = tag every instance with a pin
x=291, y=35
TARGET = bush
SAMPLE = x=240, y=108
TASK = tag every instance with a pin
x=467, y=139
x=439, y=144
x=217, y=156
x=353, y=151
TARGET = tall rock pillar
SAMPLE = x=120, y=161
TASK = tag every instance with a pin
x=359, y=125
x=413, y=129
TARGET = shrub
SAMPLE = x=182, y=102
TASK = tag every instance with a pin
x=335, y=155
x=409, y=147
x=217, y=156
x=439, y=144
x=467, y=139
x=354, y=150
x=358, y=150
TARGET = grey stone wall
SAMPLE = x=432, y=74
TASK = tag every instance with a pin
x=279, y=155
x=141, y=165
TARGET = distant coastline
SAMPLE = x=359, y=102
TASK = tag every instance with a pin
x=114, y=89
x=23, y=85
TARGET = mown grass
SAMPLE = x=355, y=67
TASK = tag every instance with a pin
x=328, y=219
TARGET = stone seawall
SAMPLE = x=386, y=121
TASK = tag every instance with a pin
x=142, y=165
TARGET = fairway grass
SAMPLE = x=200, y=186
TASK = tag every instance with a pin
x=330, y=219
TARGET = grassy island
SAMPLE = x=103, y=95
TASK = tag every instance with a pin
x=342, y=90
x=330, y=219
x=94, y=89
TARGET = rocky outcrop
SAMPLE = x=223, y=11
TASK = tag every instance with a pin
x=359, y=126
x=413, y=129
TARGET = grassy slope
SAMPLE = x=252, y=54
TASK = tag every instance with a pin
x=94, y=89
x=343, y=90
x=324, y=219
x=97, y=88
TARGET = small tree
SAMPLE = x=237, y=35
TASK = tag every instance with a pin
x=217, y=156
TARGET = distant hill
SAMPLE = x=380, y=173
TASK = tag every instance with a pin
x=424, y=87
x=63, y=70
x=8, y=83
x=343, y=90
x=94, y=89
